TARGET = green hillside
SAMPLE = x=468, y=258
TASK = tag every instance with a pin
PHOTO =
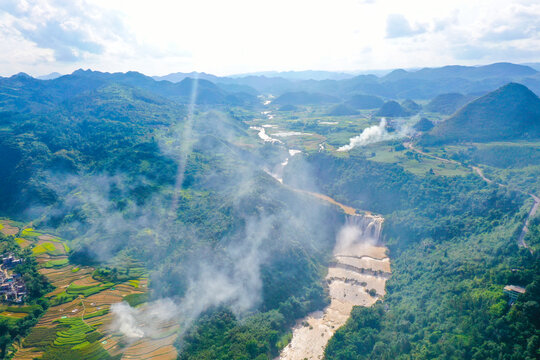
x=392, y=109
x=446, y=104
x=510, y=112
x=341, y=110
x=365, y=102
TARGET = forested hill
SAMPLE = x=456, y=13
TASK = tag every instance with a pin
x=127, y=172
x=20, y=91
x=510, y=112
x=453, y=245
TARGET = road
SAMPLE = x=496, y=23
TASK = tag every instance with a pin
x=480, y=172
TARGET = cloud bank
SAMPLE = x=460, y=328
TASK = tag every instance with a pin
x=42, y=36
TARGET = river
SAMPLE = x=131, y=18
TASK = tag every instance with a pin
x=356, y=276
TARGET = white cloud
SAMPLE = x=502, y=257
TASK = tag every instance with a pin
x=234, y=36
x=398, y=26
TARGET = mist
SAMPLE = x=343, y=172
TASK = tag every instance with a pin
x=189, y=273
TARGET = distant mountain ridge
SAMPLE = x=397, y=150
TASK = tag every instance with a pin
x=469, y=72
x=422, y=84
x=179, y=76
x=304, y=98
x=300, y=75
x=50, y=76
x=23, y=91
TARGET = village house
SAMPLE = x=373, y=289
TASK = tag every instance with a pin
x=12, y=287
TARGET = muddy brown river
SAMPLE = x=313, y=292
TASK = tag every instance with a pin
x=360, y=264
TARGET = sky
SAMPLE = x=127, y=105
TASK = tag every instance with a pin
x=238, y=36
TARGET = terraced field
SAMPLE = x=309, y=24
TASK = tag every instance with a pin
x=78, y=324
x=8, y=228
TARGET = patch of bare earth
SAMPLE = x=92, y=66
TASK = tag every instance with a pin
x=8, y=229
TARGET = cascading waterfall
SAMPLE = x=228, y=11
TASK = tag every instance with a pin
x=356, y=277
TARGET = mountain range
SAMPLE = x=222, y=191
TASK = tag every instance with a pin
x=422, y=84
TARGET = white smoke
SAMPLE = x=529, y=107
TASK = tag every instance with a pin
x=136, y=323
x=378, y=133
x=372, y=134
x=227, y=274
x=125, y=321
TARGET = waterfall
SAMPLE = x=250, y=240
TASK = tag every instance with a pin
x=358, y=231
x=356, y=277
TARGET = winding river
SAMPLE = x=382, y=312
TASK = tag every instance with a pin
x=356, y=276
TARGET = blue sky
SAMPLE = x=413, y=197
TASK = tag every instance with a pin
x=225, y=37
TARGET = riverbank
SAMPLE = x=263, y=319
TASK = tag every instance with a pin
x=356, y=277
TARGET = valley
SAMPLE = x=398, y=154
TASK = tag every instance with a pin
x=208, y=219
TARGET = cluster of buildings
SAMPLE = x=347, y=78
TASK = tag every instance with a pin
x=12, y=287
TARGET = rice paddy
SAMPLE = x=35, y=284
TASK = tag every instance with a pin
x=56, y=263
x=77, y=325
x=47, y=247
x=30, y=232
x=8, y=228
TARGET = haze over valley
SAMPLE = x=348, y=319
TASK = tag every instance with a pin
x=176, y=191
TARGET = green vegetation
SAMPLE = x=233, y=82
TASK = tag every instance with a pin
x=512, y=163
x=510, y=112
x=73, y=291
x=453, y=244
x=365, y=102
x=392, y=109
x=72, y=339
x=136, y=299
x=112, y=164
x=29, y=232
x=56, y=263
x=341, y=110
x=423, y=124
x=532, y=239
x=24, y=317
x=446, y=104
x=96, y=314
x=117, y=275
x=219, y=335
x=46, y=247
x=304, y=98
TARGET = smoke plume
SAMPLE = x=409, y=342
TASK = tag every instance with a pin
x=374, y=134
